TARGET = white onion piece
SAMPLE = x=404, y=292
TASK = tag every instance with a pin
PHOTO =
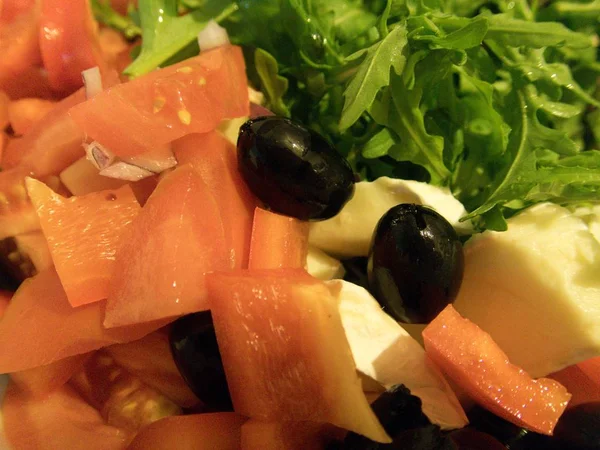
x=99, y=155
x=157, y=160
x=123, y=171
x=212, y=36
x=92, y=80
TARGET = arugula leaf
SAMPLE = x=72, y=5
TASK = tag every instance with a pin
x=273, y=85
x=165, y=33
x=104, y=13
x=373, y=74
x=466, y=37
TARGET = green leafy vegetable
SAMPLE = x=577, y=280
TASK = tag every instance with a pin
x=496, y=100
x=105, y=14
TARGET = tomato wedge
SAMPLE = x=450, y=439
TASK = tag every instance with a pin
x=193, y=96
x=68, y=42
x=214, y=158
x=470, y=358
x=84, y=252
x=285, y=352
x=62, y=420
x=40, y=326
x=177, y=237
x=278, y=241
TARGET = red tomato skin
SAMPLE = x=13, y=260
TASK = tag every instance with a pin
x=472, y=360
x=68, y=42
x=193, y=96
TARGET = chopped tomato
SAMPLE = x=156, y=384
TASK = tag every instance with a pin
x=284, y=435
x=584, y=387
x=151, y=361
x=19, y=44
x=24, y=113
x=278, y=241
x=40, y=326
x=285, y=351
x=69, y=42
x=214, y=157
x=39, y=381
x=215, y=431
x=84, y=251
x=176, y=238
x=62, y=420
x=472, y=360
x=53, y=142
x=32, y=82
x=193, y=96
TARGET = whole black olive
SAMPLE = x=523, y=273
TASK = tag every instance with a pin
x=293, y=170
x=416, y=263
x=579, y=428
x=194, y=347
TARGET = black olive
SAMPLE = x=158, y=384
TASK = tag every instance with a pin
x=416, y=263
x=196, y=353
x=579, y=428
x=292, y=170
x=398, y=411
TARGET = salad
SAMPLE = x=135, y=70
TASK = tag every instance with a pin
x=300, y=224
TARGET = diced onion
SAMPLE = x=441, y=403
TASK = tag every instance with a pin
x=212, y=36
x=99, y=155
x=124, y=171
x=156, y=161
x=92, y=80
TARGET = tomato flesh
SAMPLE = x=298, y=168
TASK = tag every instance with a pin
x=193, y=96
x=284, y=350
x=214, y=158
x=176, y=238
x=470, y=358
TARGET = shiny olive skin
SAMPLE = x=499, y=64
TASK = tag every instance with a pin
x=292, y=170
x=194, y=348
x=416, y=263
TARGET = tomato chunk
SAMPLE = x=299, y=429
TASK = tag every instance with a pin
x=278, y=241
x=469, y=356
x=62, y=420
x=40, y=326
x=193, y=96
x=285, y=352
x=68, y=42
x=258, y=435
x=39, y=381
x=216, y=431
x=84, y=251
x=19, y=44
x=176, y=238
x=214, y=157
x=24, y=113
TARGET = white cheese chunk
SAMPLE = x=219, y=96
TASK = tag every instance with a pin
x=322, y=266
x=536, y=288
x=386, y=353
x=349, y=233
